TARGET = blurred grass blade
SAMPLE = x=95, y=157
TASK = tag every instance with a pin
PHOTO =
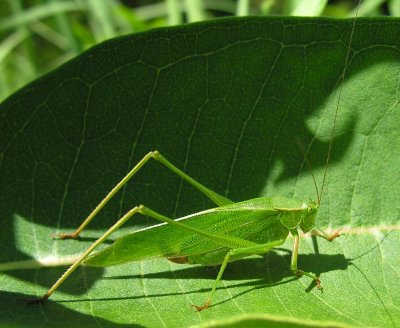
x=243, y=8
x=65, y=28
x=174, y=12
x=308, y=8
x=102, y=24
x=194, y=10
x=38, y=12
x=394, y=7
x=11, y=42
x=368, y=8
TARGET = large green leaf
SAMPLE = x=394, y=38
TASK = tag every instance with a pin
x=229, y=102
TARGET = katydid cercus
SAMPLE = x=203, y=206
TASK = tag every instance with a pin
x=219, y=235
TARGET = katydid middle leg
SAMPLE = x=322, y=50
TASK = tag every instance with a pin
x=256, y=249
x=213, y=196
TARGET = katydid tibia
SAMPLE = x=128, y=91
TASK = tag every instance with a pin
x=228, y=232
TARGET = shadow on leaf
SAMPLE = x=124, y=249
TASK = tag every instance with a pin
x=53, y=315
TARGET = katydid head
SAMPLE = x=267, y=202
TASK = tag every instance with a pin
x=308, y=216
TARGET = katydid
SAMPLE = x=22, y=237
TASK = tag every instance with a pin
x=219, y=235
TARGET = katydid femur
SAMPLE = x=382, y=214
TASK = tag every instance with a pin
x=219, y=235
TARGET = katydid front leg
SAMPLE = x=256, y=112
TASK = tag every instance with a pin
x=213, y=196
x=332, y=236
x=295, y=254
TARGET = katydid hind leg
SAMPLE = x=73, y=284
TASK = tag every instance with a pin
x=225, y=241
x=76, y=264
x=213, y=196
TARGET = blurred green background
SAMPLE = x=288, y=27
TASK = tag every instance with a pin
x=38, y=35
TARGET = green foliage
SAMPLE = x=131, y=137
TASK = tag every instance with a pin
x=226, y=101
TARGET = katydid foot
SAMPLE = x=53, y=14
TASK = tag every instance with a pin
x=202, y=307
x=317, y=281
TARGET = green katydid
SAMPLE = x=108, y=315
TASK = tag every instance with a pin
x=228, y=232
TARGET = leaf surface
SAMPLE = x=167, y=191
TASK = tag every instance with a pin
x=229, y=102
